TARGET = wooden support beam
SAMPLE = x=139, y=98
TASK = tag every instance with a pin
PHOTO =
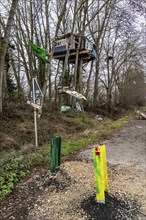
x=82, y=53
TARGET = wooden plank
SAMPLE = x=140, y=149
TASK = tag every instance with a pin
x=82, y=53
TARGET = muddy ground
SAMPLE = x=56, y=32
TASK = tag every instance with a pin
x=70, y=195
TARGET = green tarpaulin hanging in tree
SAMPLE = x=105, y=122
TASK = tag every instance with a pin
x=39, y=52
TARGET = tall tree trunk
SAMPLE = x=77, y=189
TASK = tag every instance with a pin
x=79, y=79
x=109, y=88
x=60, y=17
x=95, y=95
x=88, y=81
x=4, y=46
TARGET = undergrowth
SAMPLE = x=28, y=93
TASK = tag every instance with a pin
x=13, y=169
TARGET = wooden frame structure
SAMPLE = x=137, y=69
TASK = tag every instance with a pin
x=75, y=50
x=71, y=43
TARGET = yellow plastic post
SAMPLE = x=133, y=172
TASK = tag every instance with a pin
x=100, y=168
x=105, y=167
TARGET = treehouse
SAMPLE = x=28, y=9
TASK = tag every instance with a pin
x=74, y=45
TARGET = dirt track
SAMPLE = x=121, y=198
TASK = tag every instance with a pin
x=71, y=194
x=127, y=147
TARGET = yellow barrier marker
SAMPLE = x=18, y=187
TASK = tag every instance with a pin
x=100, y=168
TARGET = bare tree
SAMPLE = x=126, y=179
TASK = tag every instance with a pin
x=4, y=44
x=106, y=22
x=132, y=88
x=97, y=27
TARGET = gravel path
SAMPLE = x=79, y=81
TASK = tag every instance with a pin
x=70, y=195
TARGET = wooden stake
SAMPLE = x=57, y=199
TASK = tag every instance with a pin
x=35, y=127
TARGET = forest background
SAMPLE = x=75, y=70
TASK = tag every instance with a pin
x=114, y=81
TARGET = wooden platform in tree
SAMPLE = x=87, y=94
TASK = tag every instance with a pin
x=85, y=55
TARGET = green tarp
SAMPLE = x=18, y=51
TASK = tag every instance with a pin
x=39, y=52
x=65, y=108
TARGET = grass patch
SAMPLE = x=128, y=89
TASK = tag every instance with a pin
x=103, y=130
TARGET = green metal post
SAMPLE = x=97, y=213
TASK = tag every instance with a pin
x=58, y=160
x=55, y=155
